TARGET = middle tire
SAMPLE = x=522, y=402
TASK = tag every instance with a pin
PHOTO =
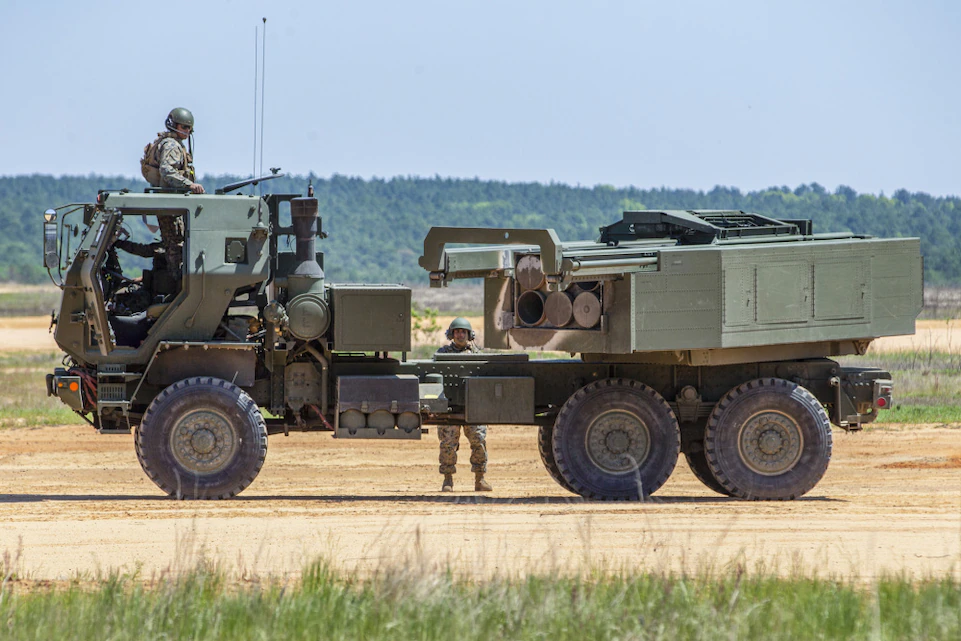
x=616, y=439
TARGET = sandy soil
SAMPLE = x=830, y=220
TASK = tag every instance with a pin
x=72, y=501
x=26, y=333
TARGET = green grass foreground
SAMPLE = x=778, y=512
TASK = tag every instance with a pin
x=409, y=605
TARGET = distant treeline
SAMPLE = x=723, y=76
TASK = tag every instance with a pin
x=377, y=226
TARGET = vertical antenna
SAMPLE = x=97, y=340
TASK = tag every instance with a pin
x=263, y=75
x=253, y=171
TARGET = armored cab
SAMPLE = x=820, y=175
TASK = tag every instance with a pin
x=246, y=320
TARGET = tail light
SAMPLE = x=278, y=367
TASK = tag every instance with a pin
x=883, y=389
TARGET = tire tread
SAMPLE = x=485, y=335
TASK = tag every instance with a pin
x=570, y=409
x=778, y=386
x=246, y=404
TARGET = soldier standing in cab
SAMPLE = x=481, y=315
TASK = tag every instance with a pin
x=167, y=163
x=461, y=336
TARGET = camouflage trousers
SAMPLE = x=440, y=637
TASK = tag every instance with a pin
x=449, y=436
x=172, y=238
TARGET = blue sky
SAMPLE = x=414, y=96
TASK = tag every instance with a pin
x=688, y=94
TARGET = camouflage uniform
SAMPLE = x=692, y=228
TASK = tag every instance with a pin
x=452, y=348
x=172, y=239
x=167, y=163
x=449, y=435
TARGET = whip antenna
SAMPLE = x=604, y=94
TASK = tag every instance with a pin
x=253, y=170
x=263, y=76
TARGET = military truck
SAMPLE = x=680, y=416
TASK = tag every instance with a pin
x=704, y=332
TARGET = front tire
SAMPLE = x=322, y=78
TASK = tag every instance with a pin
x=768, y=439
x=202, y=438
x=616, y=439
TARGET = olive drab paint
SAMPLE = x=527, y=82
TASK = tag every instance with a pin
x=707, y=333
x=698, y=294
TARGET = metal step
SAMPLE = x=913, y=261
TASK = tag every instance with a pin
x=122, y=405
x=117, y=370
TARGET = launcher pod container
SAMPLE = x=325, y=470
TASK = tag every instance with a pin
x=706, y=333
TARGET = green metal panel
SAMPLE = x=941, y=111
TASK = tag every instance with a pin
x=499, y=313
x=783, y=293
x=678, y=307
x=371, y=318
x=234, y=362
x=835, y=291
x=739, y=295
x=897, y=290
x=840, y=289
x=499, y=400
x=481, y=263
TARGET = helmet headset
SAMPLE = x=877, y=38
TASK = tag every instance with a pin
x=460, y=323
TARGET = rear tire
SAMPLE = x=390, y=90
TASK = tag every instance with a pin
x=202, y=438
x=545, y=446
x=616, y=439
x=768, y=439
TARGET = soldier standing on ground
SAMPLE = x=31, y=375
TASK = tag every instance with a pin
x=167, y=163
x=461, y=336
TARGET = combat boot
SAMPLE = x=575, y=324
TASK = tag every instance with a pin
x=480, y=485
x=448, y=485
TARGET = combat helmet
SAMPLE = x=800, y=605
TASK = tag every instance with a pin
x=460, y=323
x=179, y=116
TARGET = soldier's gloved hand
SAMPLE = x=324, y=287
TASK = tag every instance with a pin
x=197, y=188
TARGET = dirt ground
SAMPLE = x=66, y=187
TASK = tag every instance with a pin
x=73, y=502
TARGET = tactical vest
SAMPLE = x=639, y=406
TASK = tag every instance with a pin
x=150, y=163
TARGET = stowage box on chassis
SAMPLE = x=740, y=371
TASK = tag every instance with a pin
x=707, y=334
